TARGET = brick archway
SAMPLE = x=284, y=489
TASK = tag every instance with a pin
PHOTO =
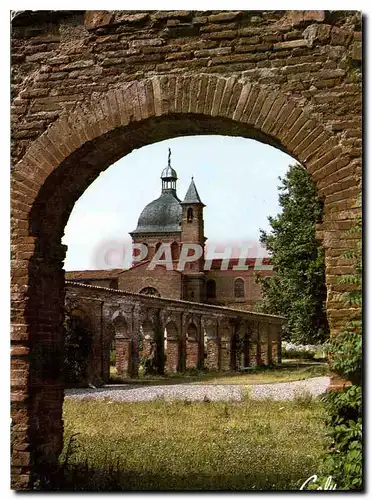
x=70, y=154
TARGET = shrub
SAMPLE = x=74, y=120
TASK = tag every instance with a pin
x=343, y=461
x=78, y=341
x=112, y=357
x=303, y=399
x=148, y=365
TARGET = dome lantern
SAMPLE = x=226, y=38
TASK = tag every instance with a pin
x=169, y=177
x=164, y=214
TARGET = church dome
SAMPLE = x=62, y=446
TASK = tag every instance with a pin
x=168, y=173
x=162, y=215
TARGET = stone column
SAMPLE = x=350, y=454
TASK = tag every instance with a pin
x=173, y=352
x=108, y=336
x=254, y=355
x=264, y=353
x=274, y=352
x=95, y=370
x=246, y=351
x=173, y=328
x=200, y=339
x=192, y=353
x=213, y=353
x=235, y=354
x=213, y=345
x=225, y=354
x=264, y=340
x=158, y=327
x=135, y=327
x=276, y=343
x=123, y=347
x=182, y=344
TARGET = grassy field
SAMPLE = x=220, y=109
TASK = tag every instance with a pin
x=252, y=445
x=287, y=372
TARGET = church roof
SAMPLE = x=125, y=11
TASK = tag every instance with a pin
x=192, y=195
x=162, y=215
x=96, y=274
x=168, y=173
x=249, y=261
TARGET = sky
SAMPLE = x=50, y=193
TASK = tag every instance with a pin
x=237, y=179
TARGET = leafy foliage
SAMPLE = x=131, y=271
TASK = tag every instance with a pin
x=112, y=357
x=344, y=458
x=78, y=341
x=297, y=290
x=148, y=365
x=346, y=355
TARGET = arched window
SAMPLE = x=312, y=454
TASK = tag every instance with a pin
x=211, y=289
x=190, y=214
x=149, y=290
x=171, y=330
x=192, y=331
x=239, y=288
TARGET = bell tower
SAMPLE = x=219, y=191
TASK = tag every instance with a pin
x=192, y=231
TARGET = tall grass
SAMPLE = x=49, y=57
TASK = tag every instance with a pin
x=287, y=372
x=252, y=445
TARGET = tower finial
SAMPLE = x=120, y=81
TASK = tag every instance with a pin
x=169, y=157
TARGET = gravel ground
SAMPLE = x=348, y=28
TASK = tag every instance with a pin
x=288, y=390
x=131, y=393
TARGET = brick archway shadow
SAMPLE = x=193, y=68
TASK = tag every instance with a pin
x=60, y=165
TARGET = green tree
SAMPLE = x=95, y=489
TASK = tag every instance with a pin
x=297, y=290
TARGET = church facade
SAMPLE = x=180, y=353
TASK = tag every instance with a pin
x=170, y=242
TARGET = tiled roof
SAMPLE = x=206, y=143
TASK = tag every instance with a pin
x=98, y=274
x=216, y=263
x=151, y=298
x=192, y=195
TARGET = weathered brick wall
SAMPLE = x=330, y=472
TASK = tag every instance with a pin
x=168, y=283
x=225, y=287
x=120, y=314
x=89, y=87
x=312, y=55
x=153, y=240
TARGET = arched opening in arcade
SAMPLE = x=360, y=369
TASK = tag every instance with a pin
x=72, y=175
x=146, y=225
